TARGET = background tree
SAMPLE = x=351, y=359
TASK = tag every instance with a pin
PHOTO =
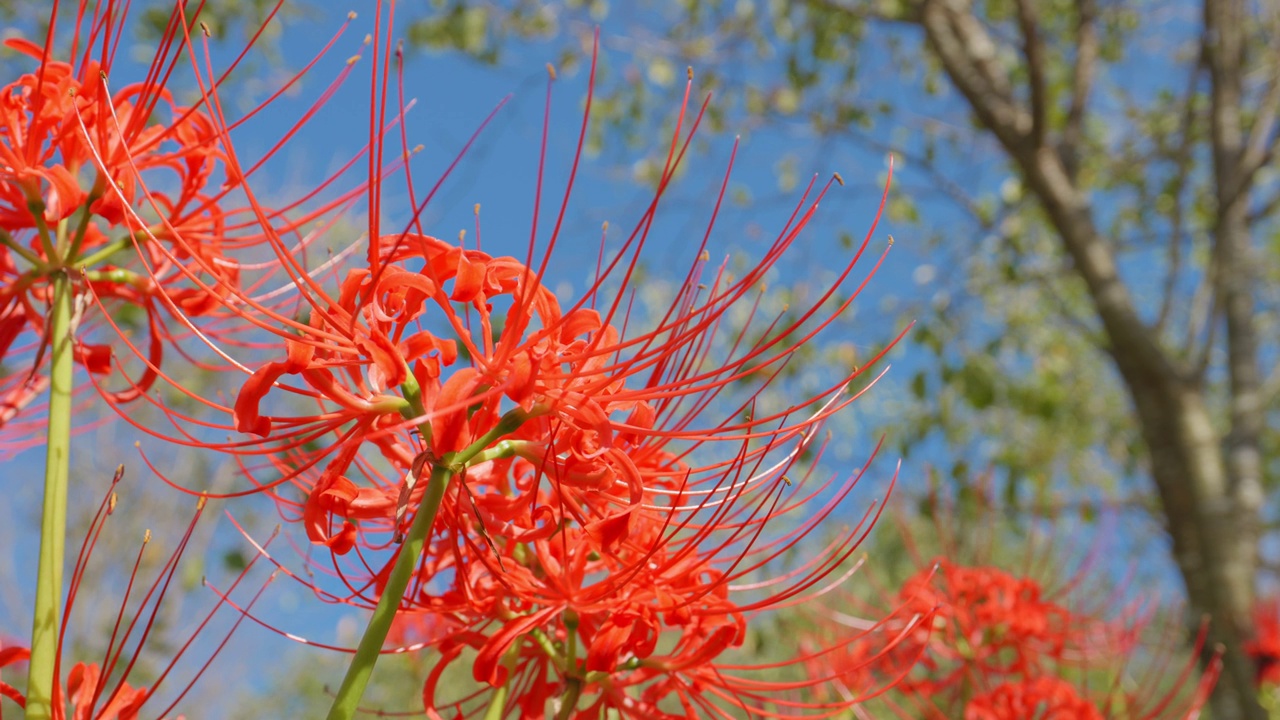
x=1110, y=191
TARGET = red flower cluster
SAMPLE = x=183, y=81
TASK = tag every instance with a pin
x=609, y=514
x=117, y=194
x=1041, y=698
x=1000, y=646
x=989, y=622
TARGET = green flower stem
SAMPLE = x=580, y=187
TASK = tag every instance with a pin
x=7, y=240
x=501, y=450
x=117, y=275
x=569, y=701
x=347, y=700
x=82, y=228
x=36, y=208
x=499, y=700
x=356, y=680
x=53, y=521
x=103, y=252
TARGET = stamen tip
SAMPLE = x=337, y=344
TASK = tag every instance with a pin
x=688, y=71
x=839, y=179
x=351, y=15
x=146, y=536
x=353, y=59
x=890, y=241
x=204, y=28
x=705, y=255
x=477, y=208
x=111, y=503
x=201, y=502
x=551, y=71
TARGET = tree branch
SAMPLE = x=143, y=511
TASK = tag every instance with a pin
x=1182, y=159
x=971, y=58
x=1259, y=147
x=1082, y=75
x=1033, y=50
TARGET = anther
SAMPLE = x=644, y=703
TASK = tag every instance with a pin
x=839, y=179
x=551, y=70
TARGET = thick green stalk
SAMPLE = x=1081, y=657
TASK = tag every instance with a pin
x=569, y=701
x=347, y=700
x=53, y=522
x=498, y=701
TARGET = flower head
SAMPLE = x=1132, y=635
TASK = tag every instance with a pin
x=1007, y=644
x=117, y=193
x=608, y=499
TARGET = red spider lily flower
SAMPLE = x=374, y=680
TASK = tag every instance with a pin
x=614, y=484
x=993, y=623
x=1264, y=647
x=71, y=154
x=112, y=186
x=1041, y=698
x=101, y=690
x=1002, y=644
x=445, y=341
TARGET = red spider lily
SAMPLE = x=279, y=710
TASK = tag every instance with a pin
x=1264, y=648
x=1039, y=699
x=70, y=156
x=447, y=341
x=125, y=194
x=101, y=690
x=612, y=492
x=1008, y=645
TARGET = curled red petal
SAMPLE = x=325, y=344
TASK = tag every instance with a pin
x=488, y=667
x=250, y=396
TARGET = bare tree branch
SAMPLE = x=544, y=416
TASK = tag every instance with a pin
x=1182, y=160
x=1033, y=50
x=971, y=58
x=1259, y=147
x=1082, y=76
